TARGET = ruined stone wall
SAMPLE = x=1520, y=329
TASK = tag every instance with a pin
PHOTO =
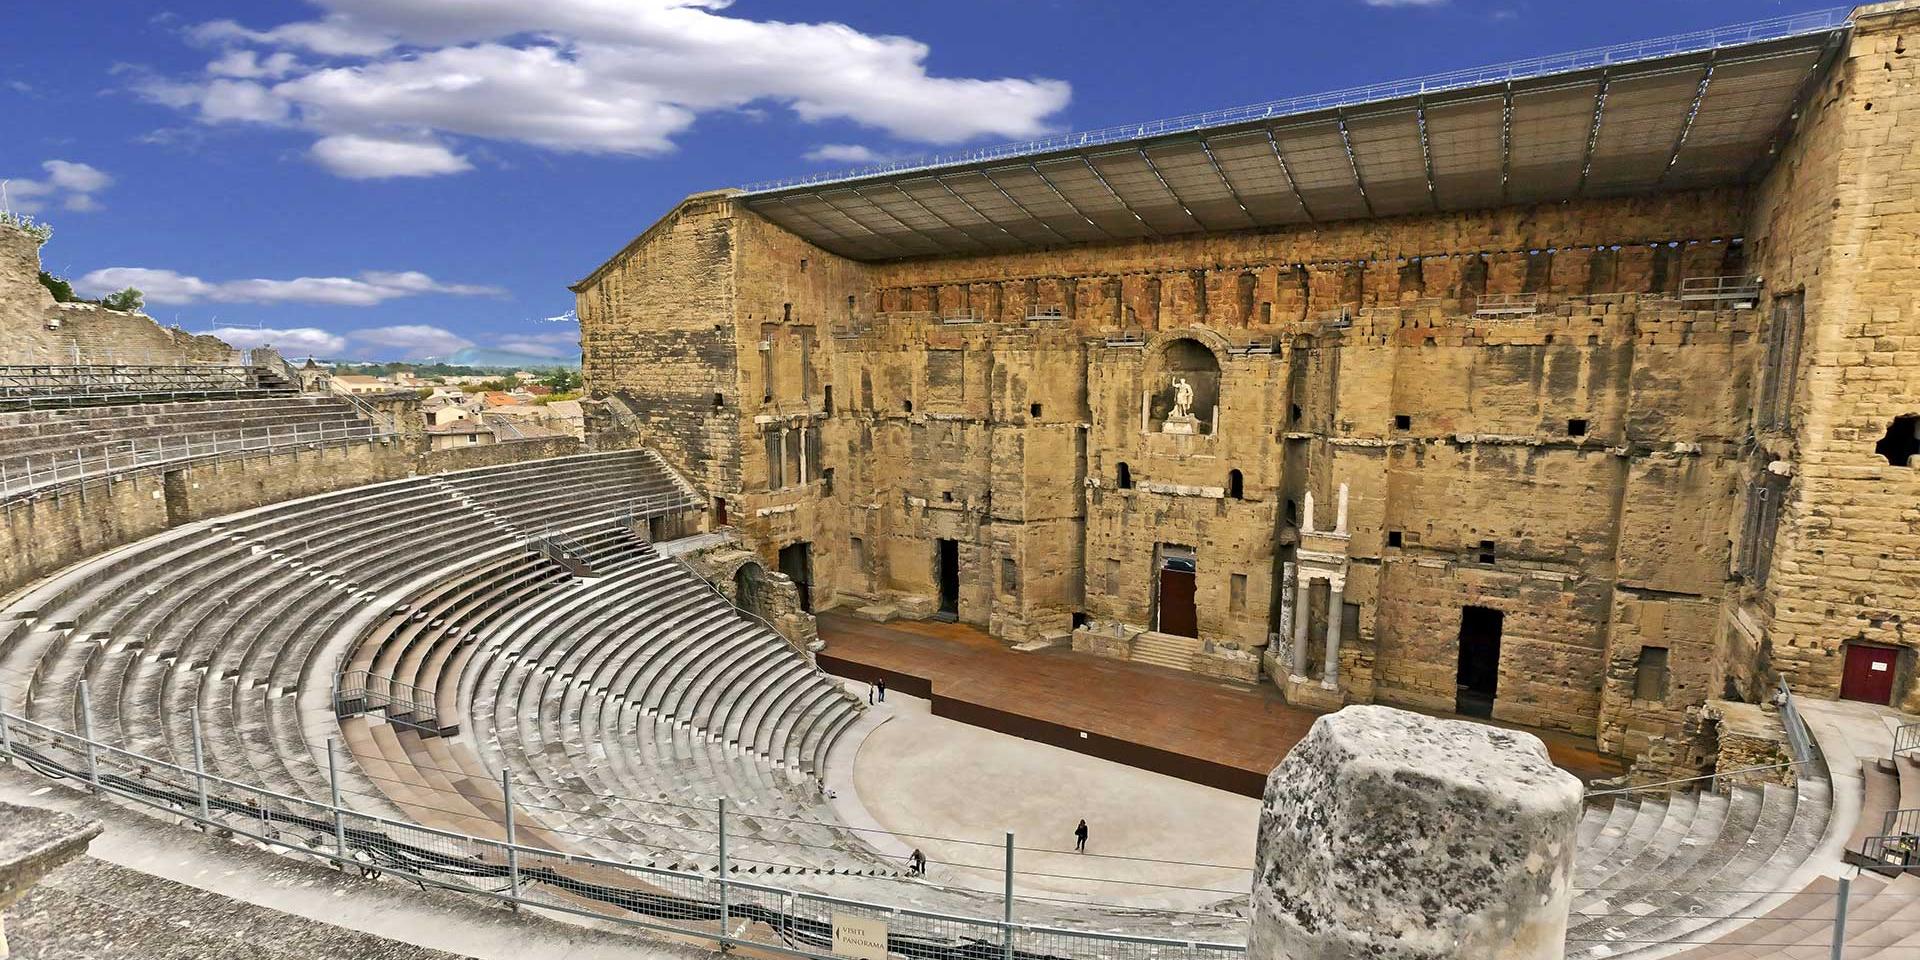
x=1573, y=468
x=45, y=533
x=1835, y=222
x=38, y=330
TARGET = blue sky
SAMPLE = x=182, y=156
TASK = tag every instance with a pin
x=404, y=178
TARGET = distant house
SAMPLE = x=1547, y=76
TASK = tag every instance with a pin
x=538, y=389
x=356, y=385
x=495, y=398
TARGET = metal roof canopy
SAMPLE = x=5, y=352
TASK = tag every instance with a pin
x=1683, y=112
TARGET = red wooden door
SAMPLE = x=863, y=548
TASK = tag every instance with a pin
x=1869, y=674
x=1176, y=603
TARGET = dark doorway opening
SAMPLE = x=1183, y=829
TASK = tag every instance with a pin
x=746, y=587
x=1477, y=678
x=947, y=571
x=1869, y=674
x=1174, y=612
x=796, y=561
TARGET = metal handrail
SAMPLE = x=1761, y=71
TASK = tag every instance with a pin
x=363, y=691
x=34, y=475
x=1899, y=851
x=1504, y=304
x=65, y=385
x=1799, y=739
x=685, y=901
x=1777, y=28
x=1719, y=288
x=1906, y=739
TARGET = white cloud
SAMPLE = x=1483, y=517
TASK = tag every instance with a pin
x=172, y=288
x=368, y=158
x=72, y=184
x=844, y=153
x=411, y=340
x=397, y=82
x=249, y=65
x=542, y=344
x=289, y=341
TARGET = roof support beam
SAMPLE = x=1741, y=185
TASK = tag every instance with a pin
x=1017, y=205
x=1281, y=159
x=1693, y=110
x=1082, y=214
x=983, y=217
x=1222, y=174
x=1506, y=139
x=1340, y=117
x=1115, y=194
x=950, y=225
x=1593, y=132
x=1426, y=150
x=827, y=198
x=875, y=238
x=1168, y=187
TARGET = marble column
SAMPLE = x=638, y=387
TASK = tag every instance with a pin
x=1302, y=596
x=1336, y=615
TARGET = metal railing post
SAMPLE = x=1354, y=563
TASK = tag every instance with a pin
x=725, y=943
x=6, y=736
x=513, y=850
x=1006, y=918
x=199, y=764
x=339, y=821
x=86, y=731
x=1840, y=918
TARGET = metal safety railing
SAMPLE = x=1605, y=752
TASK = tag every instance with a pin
x=1906, y=739
x=712, y=904
x=36, y=387
x=363, y=691
x=1506, y=304
x=32, y=475
x=1719, y=288
x=1815, y=22
x=1799, y=738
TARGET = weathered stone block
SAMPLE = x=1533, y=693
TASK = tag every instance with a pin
x=1392, y=835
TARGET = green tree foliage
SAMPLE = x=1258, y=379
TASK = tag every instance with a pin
x=62, y=290
x=562, y=381
x=128, y=300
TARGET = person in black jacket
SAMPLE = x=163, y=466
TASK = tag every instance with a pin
x=1080, y=838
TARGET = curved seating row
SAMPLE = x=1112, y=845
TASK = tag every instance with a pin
x=228, y=617
x=623, y=704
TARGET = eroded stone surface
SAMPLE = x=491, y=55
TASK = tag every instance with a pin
x=1393, y=835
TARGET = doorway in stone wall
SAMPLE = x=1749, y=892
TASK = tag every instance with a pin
x=1173, y=602
x=796, y=561
x=946, y=565
x=1868, y=673
x=1477, y=678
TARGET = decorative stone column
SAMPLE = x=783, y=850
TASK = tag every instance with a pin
x=1395, y=836
x=1336, y=619
x=1302, y=598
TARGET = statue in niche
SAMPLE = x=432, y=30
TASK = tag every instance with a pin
x=1181, y=420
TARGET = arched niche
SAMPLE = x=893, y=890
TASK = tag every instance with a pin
x=749, y=586
x=1182, y=365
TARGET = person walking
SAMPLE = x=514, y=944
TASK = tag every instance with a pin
x=1080, y=838
x=882, y=684
x=919, y=861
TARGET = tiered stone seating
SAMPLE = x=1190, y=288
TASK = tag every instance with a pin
x=1659, y=867
x=229, y=616
x=42, y=447
x=25, y=387
x=622, y=704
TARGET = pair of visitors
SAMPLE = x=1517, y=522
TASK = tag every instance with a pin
x=877, y=690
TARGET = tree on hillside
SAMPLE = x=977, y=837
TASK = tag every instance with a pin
x=561, y=380
x=58, y=286
x=128, y=300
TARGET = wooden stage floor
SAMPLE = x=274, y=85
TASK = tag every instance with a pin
x=1227, y=735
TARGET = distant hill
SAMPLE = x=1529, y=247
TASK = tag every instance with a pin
x=479, y=357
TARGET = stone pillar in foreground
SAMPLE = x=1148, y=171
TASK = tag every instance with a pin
x=1391, y=835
